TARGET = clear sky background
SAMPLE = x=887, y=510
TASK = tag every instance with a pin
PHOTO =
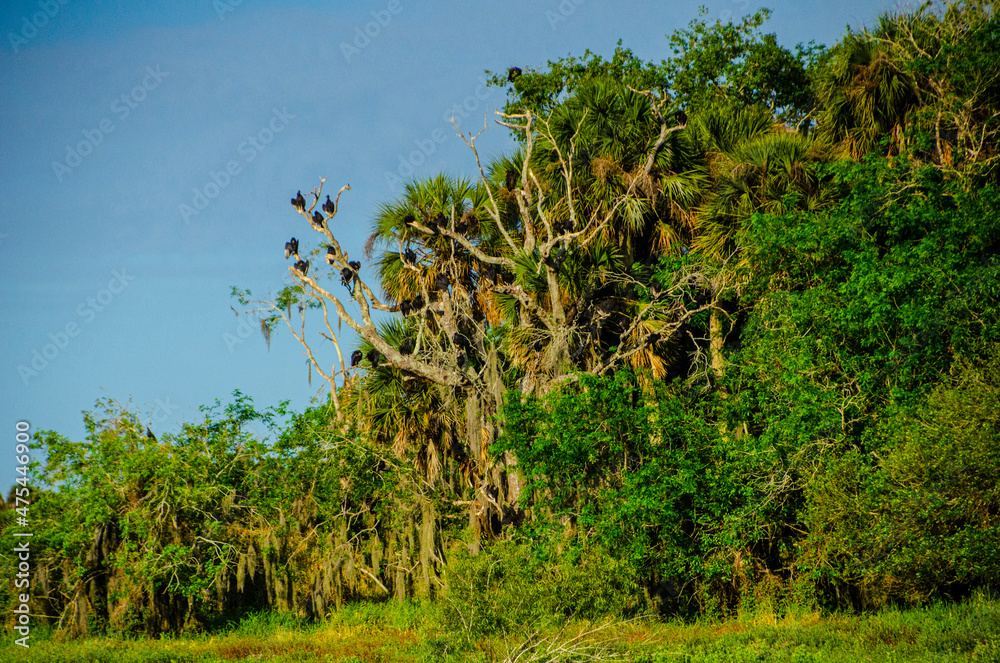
x=115, y=114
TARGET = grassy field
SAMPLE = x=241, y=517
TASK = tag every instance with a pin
x=388, y=633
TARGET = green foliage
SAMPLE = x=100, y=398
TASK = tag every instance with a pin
x=541, y=91
x=728, y=63
x=915, y=520
x=173, y=533
x=893, y=283
x=734, y=65
x=631, y=464
x=858, y=312
x=512, y=589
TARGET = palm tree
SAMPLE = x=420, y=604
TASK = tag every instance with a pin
x=611, y=130
x=865, y=95
x=604, y=152
x=755, y=166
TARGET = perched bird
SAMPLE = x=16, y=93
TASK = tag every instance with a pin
x=346, y=275
x=302, y=266
x=150, y=435
x=356, y=357
x=331, y=255
x=406, y=347
x=408, y=219
x=441, y=282
x=460, y=341
x=560, y=257
x=606, y=305
x=441, y=221
x=513, y=74
x=418, y=303
x=490, y=272
x=409, y=256
x=329, y=207
x=564, y=226
x=510, y=179
x=682, y=117
x=373, y=357
x=404, y=307
x=291, y=248
x=355, y=265
x=299, y=202
x=318, y=219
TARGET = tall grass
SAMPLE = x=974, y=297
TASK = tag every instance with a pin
x=415, y=632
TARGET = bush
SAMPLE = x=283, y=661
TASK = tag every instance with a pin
x=509, y=588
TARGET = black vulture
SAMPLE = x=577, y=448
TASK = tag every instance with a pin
x=560, y=257
x=418, y=302
x=441, y=221
x=490, y=272
x=682, y=117
x=331, y=255
x=356, y=357
x=329, y=207
x=405, y=306
x=346, y=275
x=461, y=341
x=150, y=435
x=406, y=347
x=373, y=357
x=409, y=256
x=510, y=179
x=441, y=282
x=299, y=202
x=302, y=267
x=318, y=219
x=607, y=305
x=513, y=74
x=355, y=265
x=291, y=248
x=408, y=219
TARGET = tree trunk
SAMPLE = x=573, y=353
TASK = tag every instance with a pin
x=716, y=343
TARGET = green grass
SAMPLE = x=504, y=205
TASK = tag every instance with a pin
x=410, y=632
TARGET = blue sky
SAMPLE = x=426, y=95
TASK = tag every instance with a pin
x=117, y=114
